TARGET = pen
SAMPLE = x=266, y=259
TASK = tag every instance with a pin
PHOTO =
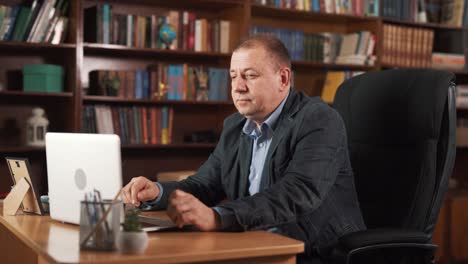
x=106, y=225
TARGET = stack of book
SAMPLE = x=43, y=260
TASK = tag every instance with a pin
x=349, y=7
x=192, y=32
x=354, y=48
x=449, y=12
x=407, y=46
x=448, y=61
x=134, y=125
x=462, y=96
x=163, y=82
x=40, y=22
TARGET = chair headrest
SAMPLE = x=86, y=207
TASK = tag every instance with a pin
x=405, y=104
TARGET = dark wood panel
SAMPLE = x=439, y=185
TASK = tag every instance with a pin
x=120, y=50
x=198, y=5
x=459, y=228
x=24, y=96
x=173, y=146
x=149, y=162
x=13, y=61
x=188, y=120
x=44, y=47
x=118, y=100
x=419, y=24
x=309, y=81
x=331, y=66
x=13, y=120
x=440, y=235
x=461, y=168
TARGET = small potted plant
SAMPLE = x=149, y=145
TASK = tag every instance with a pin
x=132, y=239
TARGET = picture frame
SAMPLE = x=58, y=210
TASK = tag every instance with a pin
x=19, y=169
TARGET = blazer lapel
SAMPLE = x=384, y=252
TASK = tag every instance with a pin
x=245, y=158
x=284, y=123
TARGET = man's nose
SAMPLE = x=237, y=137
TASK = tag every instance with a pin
x=239, y=85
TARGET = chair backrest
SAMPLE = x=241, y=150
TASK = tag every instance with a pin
x=401, y=134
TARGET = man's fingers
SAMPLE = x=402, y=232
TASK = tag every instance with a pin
x=135, y=188
x=188, y=218
x=179, y=221
x=149, y=192
x=125, y=194
x=172, y=214
x=183, y=218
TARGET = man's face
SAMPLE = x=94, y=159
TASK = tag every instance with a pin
x=257, y=83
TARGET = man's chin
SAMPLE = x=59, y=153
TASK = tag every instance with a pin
x=244, y=112
x=248, y=115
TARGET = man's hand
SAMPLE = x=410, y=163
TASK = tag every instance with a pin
x=185, y=209
x=139, y=189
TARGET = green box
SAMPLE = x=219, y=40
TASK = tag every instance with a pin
x=42, y=78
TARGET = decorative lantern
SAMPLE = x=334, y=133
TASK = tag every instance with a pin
x=36, y=128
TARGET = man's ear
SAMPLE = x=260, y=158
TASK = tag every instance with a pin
x=285, y=78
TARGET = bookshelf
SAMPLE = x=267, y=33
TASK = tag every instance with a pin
x=79, y=57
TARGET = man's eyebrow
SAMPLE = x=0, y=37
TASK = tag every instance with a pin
x=244, y=70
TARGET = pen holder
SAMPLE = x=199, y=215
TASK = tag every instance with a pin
x=103, y=236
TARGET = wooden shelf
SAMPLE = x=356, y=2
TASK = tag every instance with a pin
x=419, y=24
x=271, y=11
x=35, y=98
x=211, y=5
x=11, y=45
x=171, y=146
x=20, y=149
x=462, y=108
x=35, y=94
x=24, y=149
x=458, y=71
x=390, y=66
x=120, y=50
x=455, y=71
x=331, y=66
x=111, y=99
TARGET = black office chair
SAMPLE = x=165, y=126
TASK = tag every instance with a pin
x=401, y=133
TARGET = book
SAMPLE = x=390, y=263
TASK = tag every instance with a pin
x=333, y=79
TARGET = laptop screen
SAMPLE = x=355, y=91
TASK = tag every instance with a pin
x=79, y=163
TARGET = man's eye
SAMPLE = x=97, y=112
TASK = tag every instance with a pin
x=250, y=76
x=233, y=77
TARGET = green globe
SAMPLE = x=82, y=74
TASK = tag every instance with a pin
x=167, y=34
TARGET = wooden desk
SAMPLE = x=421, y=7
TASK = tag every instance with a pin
x=39, y=239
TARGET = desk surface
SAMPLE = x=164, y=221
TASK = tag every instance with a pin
x=56, y=242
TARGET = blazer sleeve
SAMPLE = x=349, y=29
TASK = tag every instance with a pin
x=205, y=184
x=319, y=149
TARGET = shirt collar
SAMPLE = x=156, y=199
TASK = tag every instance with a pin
x=270, y=122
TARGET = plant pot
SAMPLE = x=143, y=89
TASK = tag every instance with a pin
x=132, y=242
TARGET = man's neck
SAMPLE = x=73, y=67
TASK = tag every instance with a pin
x=259, y=122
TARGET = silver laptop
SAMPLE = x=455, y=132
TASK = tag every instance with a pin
x=79, y=163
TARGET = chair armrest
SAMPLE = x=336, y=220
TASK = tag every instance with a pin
x=377, y=239
x=382, y=236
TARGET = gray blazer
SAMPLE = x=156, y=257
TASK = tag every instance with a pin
x=307, y=190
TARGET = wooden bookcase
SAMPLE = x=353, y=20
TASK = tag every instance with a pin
x=64, y=110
